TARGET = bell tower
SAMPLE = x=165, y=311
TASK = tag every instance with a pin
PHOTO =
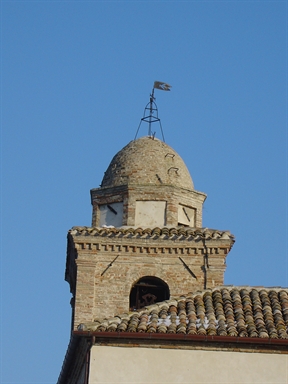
x=146, y=242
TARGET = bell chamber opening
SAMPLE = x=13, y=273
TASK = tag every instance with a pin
x=148, y=290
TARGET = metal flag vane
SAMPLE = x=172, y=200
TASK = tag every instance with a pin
x=151, y=110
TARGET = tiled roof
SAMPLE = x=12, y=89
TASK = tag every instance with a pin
x=224, y=311
x=178, y=233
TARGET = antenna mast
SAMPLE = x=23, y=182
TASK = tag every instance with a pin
x=151, y=110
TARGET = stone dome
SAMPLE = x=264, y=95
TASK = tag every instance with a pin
x=147, y=161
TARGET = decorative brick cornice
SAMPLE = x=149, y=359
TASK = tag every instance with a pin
x=163, y=241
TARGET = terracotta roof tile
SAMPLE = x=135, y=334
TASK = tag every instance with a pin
x=180, y=233
x=223, y=311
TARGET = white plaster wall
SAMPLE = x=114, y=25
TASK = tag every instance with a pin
x=150, y=213
x=152, y=365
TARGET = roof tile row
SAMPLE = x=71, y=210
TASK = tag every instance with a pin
x=156, y=233
x=223, y=311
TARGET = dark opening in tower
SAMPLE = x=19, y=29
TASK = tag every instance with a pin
x=148, y=290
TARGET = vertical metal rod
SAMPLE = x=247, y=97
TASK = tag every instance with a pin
x=162, y=131
x=205, y=262
x=151, y=106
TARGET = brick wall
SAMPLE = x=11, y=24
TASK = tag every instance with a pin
x=100, y=294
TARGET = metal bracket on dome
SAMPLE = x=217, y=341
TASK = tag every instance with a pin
x=172, y=155
x=174, y=169
x=159, y=178
x=151, y=111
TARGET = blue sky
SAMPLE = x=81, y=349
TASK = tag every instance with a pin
x=76, y=76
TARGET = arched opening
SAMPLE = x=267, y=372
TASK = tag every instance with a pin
x=148, y=290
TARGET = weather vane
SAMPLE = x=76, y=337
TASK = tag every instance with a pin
x=151, y=110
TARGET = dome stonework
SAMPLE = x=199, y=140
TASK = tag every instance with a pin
x=147, y=161
x=147, y=184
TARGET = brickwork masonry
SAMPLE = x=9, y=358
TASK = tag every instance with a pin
x=103, y=286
